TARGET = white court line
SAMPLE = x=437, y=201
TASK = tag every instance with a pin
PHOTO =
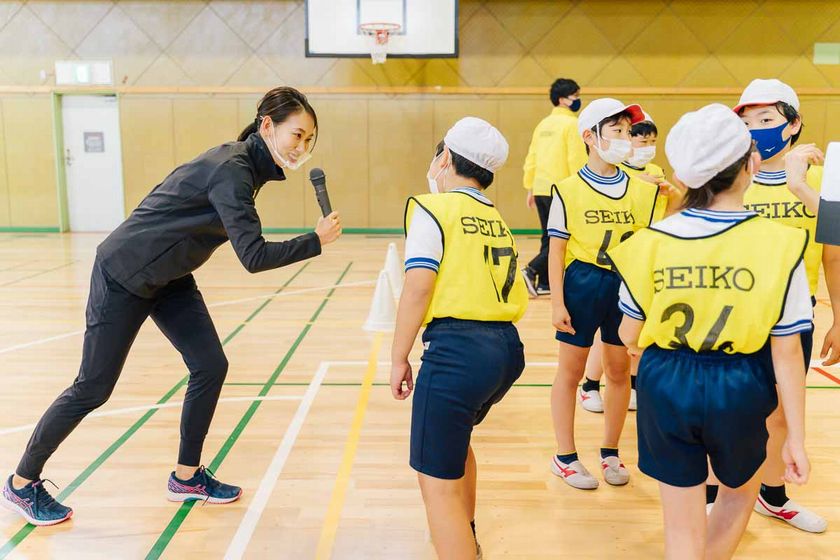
x=261, y=496
x=175, y=404
x=218, y=304
x=39, y=341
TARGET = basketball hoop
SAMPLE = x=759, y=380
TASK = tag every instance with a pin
x=378, y=34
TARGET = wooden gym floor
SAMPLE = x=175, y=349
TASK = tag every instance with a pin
x=307, y=426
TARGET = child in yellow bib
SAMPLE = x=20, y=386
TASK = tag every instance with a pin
x=592, y=212
x=462, y=283
x=643, y=137
x=770, y=109
x=702, y=291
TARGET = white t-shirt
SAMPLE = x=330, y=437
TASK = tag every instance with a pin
x=798, y=312
x=424, y=240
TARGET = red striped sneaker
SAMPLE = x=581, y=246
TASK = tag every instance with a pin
x=590, y=400
x=574, y=474
x=615, y=473
x=793, y=514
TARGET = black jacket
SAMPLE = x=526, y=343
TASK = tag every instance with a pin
x=196, y=209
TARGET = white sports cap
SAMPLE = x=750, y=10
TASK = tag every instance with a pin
x=647, y=118
x=478, y=141
x=705, y=142
x=767, y=92
x=600, y=109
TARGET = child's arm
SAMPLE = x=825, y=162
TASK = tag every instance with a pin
x=796, y=169
x=629, y=331
x=414, y=302
x=831, y=266
x=790, y=377
x=556, y=270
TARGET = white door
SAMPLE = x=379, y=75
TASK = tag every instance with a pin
x=93, y=162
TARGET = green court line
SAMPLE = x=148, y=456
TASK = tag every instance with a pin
x=24, y=532
x=45, y=229
x=179, y=517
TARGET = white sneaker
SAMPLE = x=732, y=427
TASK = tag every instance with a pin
x=709, y=508
x=632, y=405
x=590, y=400
x=794, y=514
x=615, y=473
x=574, y=474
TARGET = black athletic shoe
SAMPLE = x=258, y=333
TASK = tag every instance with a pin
x=530, y=280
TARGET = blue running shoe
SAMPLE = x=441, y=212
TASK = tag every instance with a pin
x=34, y=503
x=204, y=487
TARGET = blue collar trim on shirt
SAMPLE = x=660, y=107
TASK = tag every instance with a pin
x=771, y=177
x=718, y=216
x=590, y=175
x=475, y=193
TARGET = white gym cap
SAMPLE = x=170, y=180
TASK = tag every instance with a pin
x=705, y=142
x=767, y=92
x=600, y=109
x=478, y=141
x=647, y=118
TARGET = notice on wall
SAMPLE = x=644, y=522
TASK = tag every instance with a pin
x=94, y=142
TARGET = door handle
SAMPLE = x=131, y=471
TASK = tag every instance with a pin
x=68, y=158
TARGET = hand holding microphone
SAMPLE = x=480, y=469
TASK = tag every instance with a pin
x=329, y=225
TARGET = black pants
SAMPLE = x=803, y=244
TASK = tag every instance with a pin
x=539, y=264
x=114, y=317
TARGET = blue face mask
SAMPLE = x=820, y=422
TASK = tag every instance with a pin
x=769, y=140
x=575, y=106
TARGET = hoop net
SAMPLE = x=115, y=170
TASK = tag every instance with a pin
x=378, y=34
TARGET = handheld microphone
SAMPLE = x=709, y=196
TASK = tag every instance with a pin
x=319, y=183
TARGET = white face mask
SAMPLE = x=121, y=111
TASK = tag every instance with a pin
x=433, y=186
x=618, y=151
x=642, y=156
x=284, y=162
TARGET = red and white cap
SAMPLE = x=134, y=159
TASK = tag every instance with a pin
x=767, y=92
x=600, y=109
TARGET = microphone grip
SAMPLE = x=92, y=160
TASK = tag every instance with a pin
x=323, y=200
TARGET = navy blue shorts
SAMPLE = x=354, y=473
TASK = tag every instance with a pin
x=468, y=366
x=591, y=296
x=696, y=405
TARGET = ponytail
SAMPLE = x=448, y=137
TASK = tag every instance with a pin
x=248, y=131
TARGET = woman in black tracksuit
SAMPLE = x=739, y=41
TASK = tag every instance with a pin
x=144, y=269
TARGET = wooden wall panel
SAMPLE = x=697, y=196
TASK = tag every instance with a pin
x=148, y=145
x=402, y=141
x=342, y=152
x=203, y=122
x=5, y=217
x=517, y=119
x=30, y=161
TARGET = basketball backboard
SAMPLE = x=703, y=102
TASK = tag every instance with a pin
x=427, y=28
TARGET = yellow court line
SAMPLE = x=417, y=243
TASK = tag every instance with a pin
x=342, y=480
